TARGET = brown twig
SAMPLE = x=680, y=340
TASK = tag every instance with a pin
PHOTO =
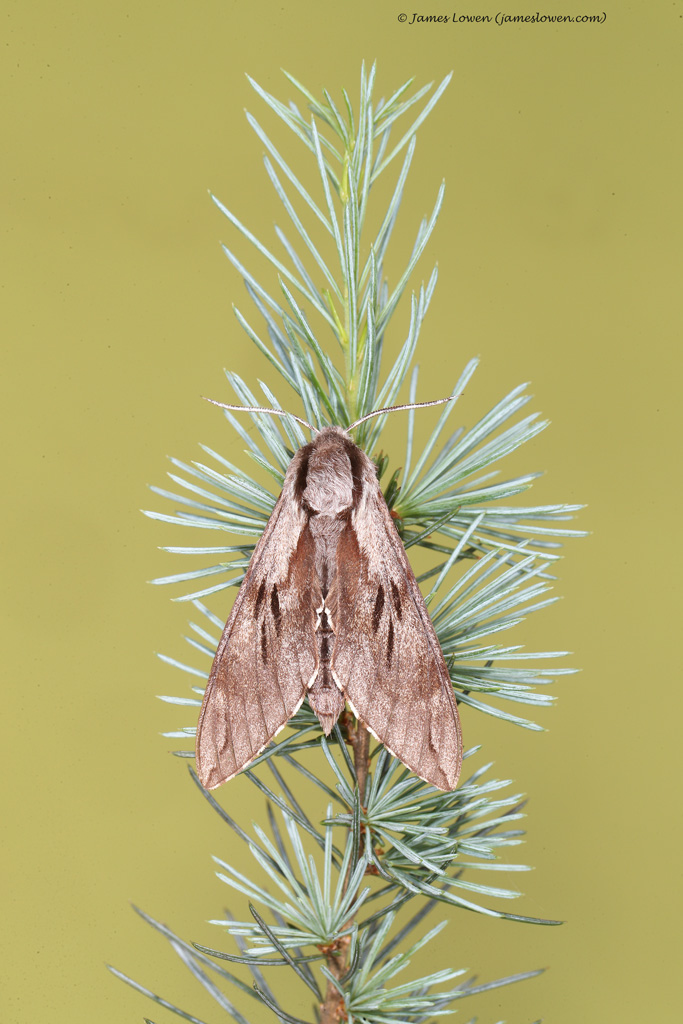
x=361, y=759
x=332, y=1009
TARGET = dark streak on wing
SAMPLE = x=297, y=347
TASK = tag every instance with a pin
x=390, y=641
x=264, y=642
x=275, y=608
x=259, y=599
x=396, y=597
x=377, y=611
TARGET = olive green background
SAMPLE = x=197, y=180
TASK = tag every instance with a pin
x=559, y=259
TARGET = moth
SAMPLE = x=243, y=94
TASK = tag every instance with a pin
x=330, y=609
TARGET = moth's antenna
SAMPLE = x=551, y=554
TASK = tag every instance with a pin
x=271, y=412
x=398, y=408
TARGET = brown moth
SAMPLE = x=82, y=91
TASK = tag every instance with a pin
x=329, y=609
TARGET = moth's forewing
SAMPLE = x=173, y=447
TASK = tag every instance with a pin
x=387, y=659
x=267, y=655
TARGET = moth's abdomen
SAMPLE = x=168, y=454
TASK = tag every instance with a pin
x=326, y=701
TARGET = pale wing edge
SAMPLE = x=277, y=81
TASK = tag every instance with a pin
x=413, y=768
x=251, y=760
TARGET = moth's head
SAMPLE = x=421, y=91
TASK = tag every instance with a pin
x=330, y=432
x=329, y=478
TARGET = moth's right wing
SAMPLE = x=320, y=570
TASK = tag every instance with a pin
x=267, y=656
x=387, y=660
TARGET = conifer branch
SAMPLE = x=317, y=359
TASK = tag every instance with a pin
x=326, y=897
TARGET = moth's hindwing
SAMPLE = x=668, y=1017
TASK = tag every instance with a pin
x=267, y=655
x=386, y=658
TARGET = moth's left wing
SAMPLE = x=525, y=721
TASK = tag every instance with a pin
x=386, y=658
x=268, y=654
